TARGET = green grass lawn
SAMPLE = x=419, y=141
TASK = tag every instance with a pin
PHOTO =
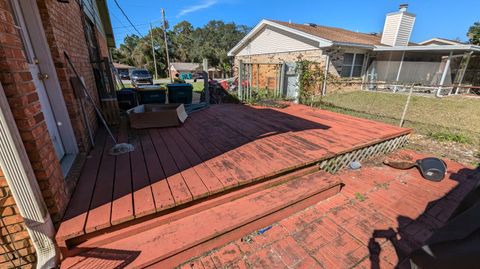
x=449, y=118
x=197, y=86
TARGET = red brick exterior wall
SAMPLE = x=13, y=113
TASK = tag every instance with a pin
x=25, y=105
x=13, y=224
x=64, y=31
x=102, y=42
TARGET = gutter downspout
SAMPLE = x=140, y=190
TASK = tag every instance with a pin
x=21, y=180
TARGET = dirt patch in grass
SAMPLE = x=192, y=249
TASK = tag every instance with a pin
x=466, y=154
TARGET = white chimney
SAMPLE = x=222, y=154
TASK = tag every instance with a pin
x=398, y=27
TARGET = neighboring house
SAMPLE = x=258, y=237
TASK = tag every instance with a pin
x=215, y=73
x=437, y=41
x=387, y=57
x=42, y=130
x=123, y=70
x=185, y=70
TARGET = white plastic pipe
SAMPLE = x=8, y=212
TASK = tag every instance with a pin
x=21, y=180
x=444, y=75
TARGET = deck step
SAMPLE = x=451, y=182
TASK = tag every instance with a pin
x=118, y=231
x=168, y=244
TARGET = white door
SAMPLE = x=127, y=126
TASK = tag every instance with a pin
x=38, y=78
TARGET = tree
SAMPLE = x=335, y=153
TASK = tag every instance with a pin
x=474, y=33
x=183, y=41
x=186, y=44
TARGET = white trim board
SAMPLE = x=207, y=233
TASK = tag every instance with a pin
x=321, y=41
x=52, y=84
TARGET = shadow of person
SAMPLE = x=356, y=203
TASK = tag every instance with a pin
x=455, y=244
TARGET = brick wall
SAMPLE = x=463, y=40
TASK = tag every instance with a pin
x=267, y=73
x=13, y=224
x=102, y=42
x=64, y=30
x=25, y=105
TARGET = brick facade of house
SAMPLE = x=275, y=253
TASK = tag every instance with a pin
x=64, y=31
x=267, y=73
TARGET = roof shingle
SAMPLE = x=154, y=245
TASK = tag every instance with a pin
x=334, y=34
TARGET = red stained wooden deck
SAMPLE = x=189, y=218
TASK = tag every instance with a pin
x=217, y=149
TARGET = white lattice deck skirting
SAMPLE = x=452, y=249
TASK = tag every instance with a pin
x=336, y=163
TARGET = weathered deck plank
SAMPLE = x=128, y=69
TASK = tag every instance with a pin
x=215, y=150
x=143, y=201
x=181, y=193
x=101, y=204
x=73, y=223
x=122, y=205
x=208, y=178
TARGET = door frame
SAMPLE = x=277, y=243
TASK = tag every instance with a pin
x=53, y=89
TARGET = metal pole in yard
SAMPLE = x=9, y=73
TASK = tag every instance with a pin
x=325, y=76
x=250, y=80
x=205, y=81
x=406, y=106
x=166, y=44
x=240, y=87
x=153, y=52
x=282, y=79
x=278, y=80
x=258, y=77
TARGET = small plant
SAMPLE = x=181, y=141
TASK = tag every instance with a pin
x=382, y=185
x=451, y=137
x=360, y=197
x=311, y=79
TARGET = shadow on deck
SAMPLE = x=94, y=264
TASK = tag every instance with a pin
x=217, y=150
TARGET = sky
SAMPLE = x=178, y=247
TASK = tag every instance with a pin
x=434, y=18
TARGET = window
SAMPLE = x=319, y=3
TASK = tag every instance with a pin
x=352, y=65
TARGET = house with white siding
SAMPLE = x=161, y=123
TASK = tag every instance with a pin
x=387, y=58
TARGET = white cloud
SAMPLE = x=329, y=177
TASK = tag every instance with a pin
x=200, y=6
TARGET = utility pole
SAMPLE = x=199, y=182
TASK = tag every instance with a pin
x=153, y=52
x=166, y=44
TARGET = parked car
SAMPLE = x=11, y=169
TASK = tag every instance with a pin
x=141, y=77
x=124, y=75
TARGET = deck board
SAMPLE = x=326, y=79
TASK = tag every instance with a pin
x=204, y=151
x=181, y=193
x=122, y=205
x=215, y=150
x=232, y=159
x=212, y=183
x=100, y=206
x=77, y=210
x=161, y=193
x=143, y=201
x=182, y=167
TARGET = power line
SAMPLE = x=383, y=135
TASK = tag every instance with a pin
x=140, y=24
x=127, y=28
x=128, y=19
